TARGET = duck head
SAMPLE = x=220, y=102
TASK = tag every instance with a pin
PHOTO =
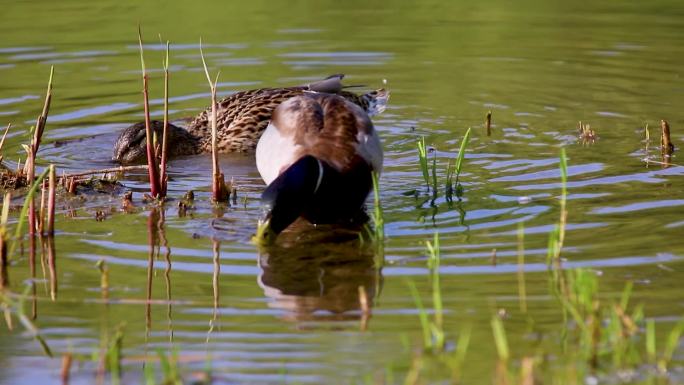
x=318, y=192
x=131, y=145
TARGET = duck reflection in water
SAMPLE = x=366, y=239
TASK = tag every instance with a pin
x=314, y=274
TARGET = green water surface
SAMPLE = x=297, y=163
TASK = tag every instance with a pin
x=291, y=313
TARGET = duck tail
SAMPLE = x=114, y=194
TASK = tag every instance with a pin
x=376, y=101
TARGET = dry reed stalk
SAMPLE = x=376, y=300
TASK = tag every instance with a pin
x=52, y=187
x=665, y=143
x=2, y=141
x=106, y=171
x=220, y=192
x=71, y=185
x=32, y=269
x=488, y=123
x=67, y=358
x=33, y=149
x=41, y=212
x=42, y=119
x=52, y=266
x=152, y=168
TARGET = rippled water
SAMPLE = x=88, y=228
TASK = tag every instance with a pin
x=291, y=313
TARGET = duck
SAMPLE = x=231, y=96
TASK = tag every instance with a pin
x=317, y=156
x=242, y=117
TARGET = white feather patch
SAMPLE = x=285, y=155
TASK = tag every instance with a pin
x=274, y=153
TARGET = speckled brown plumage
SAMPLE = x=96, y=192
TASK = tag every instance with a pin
x=242, y=117
x=325, y=127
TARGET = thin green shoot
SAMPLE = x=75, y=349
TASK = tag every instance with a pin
x=434, y=175
x=422, y=315
x=457, y=358
x=671, y=344
x=433, y=263
x=500, y=339
x=557, y=236
x=148, y=374
x=626, y=293
x=651, y=341
x=114, y=355
x=378, y=217
x=422, y=158
x=453, y=185
x=522, y=292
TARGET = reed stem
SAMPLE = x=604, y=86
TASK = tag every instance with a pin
x=219, y=190
x=163, y=178
x=52, y=187
x=152, y=168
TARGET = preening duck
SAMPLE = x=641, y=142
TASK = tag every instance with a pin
x=317, y=156
x=242, y=117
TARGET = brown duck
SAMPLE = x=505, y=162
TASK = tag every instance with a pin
x=317, y=155
x=242, y=118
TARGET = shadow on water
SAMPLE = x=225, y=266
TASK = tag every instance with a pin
x=322, y=274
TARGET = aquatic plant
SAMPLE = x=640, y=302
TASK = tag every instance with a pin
x=433, y=330
x=557, y=235
x=152, y=167
x=163, y=178
x=52, y=186
x=586, y=133
x=422, y=159
x=522, y=292
x=453, y=187
x=500, y=340
x=378, y=218
x=220, y=191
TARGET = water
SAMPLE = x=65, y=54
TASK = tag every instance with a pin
x=291, y=314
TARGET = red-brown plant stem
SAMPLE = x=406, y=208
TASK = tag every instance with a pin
x=163, y=178
x=152, y=168
x=32, y=204
x=66, y=368
x=41, y=212
x=219, y=191
x=52, y=187
x=32, y=270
